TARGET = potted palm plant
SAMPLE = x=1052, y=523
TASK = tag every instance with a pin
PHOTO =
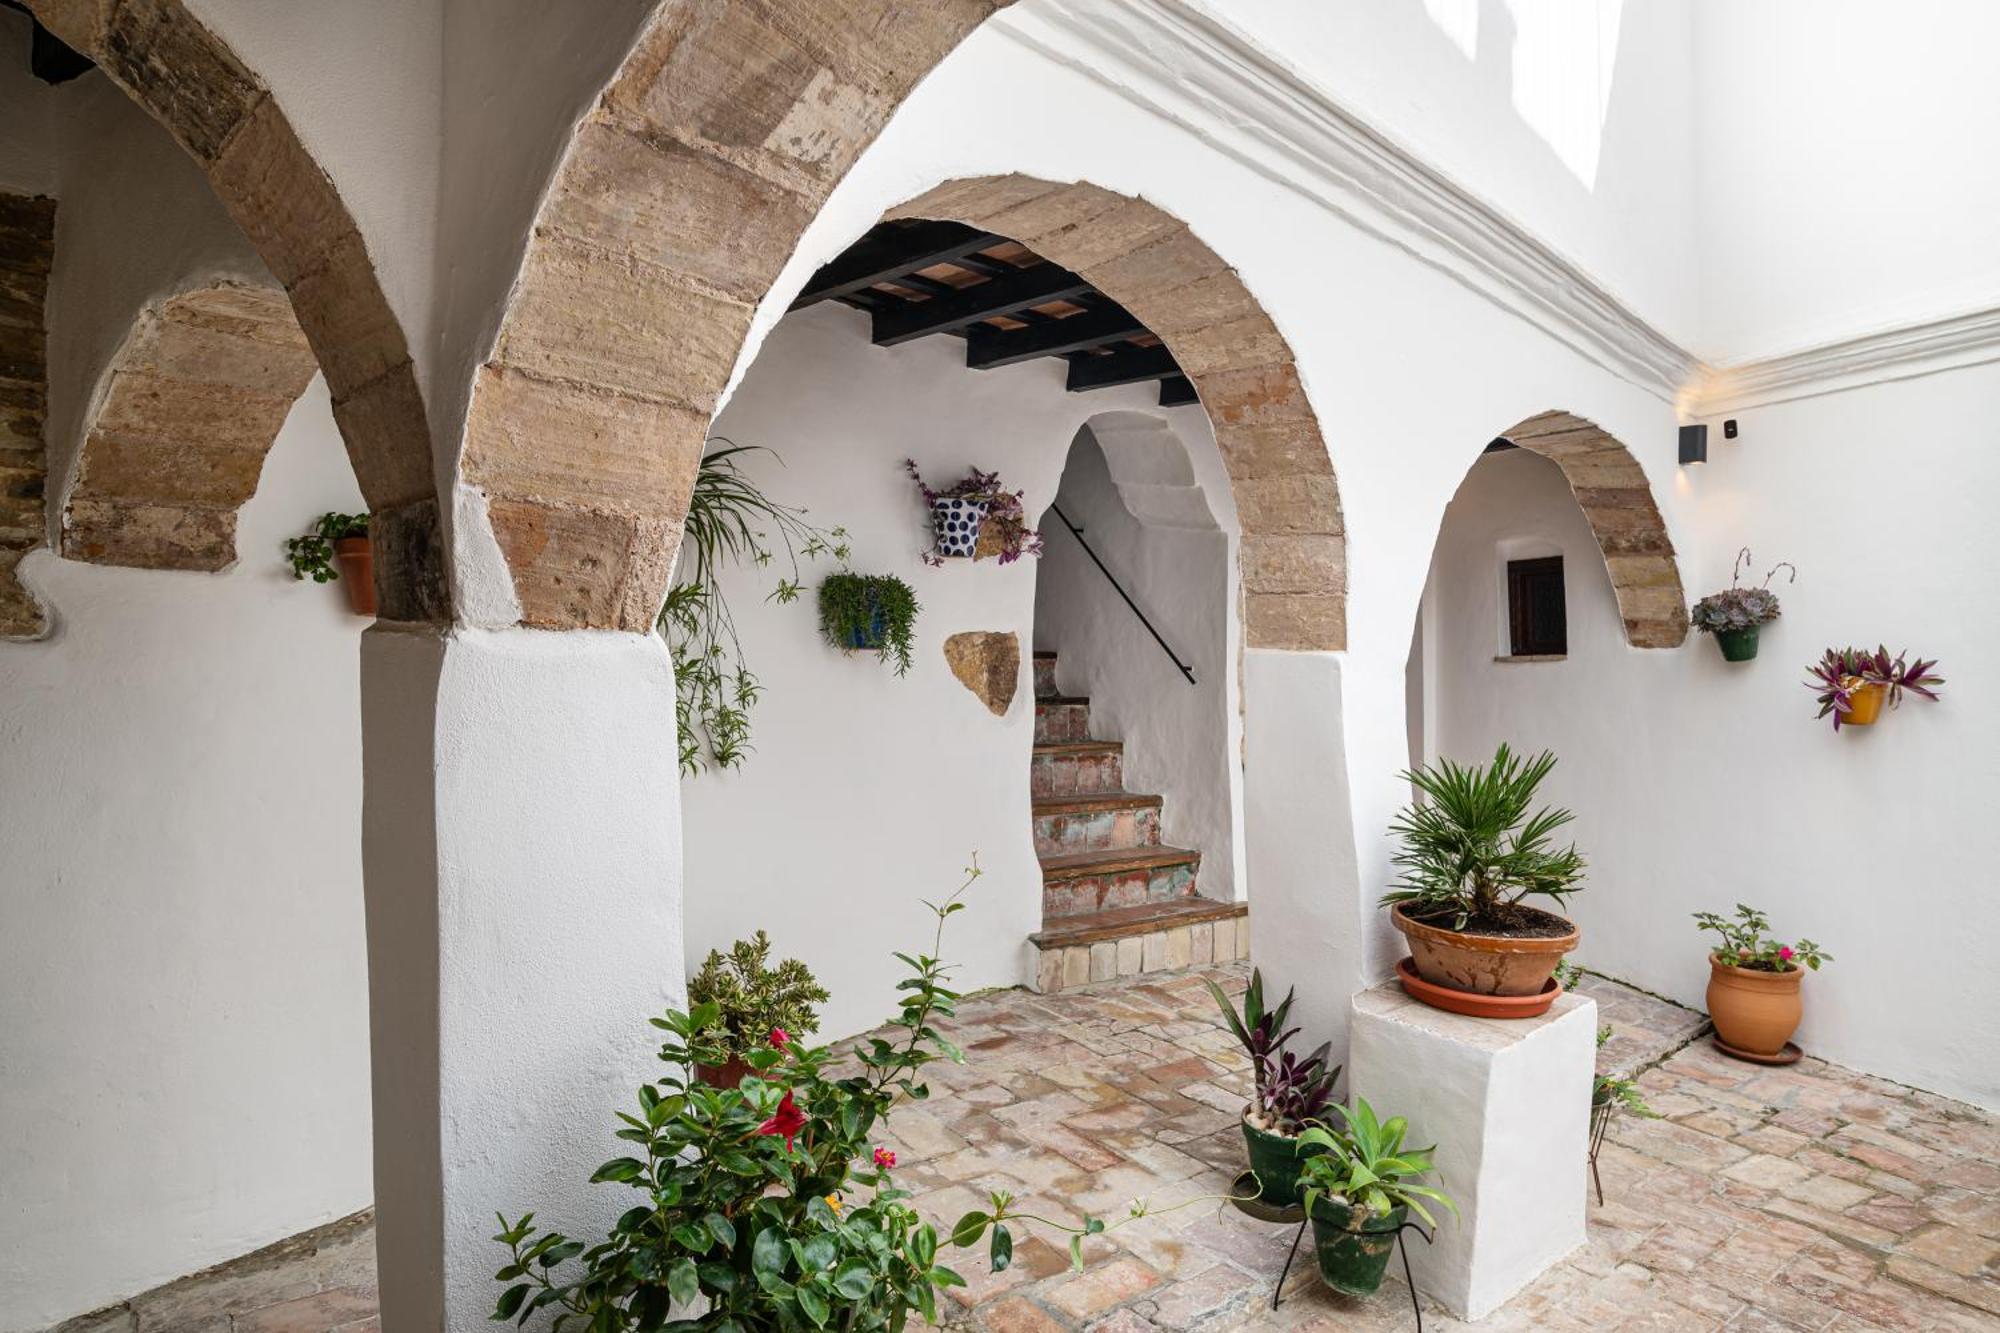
x=1288, y=1094
x=1359, y=1188
x=1735, y=614
x=1470, y=851
x=1753, y=986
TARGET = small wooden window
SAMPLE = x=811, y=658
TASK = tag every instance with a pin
x=1536, y=622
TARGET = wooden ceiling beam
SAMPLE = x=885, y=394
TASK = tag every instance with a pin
x=1135, y=366
x=988, y=348
x=969, y=305
x=888, y=253
x=1178, y=391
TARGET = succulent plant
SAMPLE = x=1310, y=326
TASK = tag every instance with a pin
x=1737, y=608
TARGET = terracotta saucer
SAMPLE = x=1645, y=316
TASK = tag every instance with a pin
x=1788, y=1056
x=1475, y=1006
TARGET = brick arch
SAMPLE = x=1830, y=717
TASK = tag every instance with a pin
x=1618, y=502
x=190, y=81
x=177, y=436
x=684, y=192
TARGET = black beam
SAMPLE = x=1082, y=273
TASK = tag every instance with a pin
x=1178, y=391
x=889, y=252
x=969, y=305
x=1129, y=367
x=990, y=347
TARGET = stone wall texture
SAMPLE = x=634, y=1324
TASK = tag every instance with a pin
x=177, y=438
x=222, y=114
x=1612, y=488
x=27, y=253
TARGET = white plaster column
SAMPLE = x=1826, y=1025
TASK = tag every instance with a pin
x=1305, y=901
x=521, y=847
x=1508, y=1105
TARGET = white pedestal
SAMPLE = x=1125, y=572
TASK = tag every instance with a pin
x=1507, y=1102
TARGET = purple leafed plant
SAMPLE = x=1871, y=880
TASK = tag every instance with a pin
x=1843, y=671
x=1297, y=1092
x=1004, y=513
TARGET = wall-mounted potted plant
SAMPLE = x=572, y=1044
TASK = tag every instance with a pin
x=1359, y=1189
x=1753, y=986
x=757, y=1006
x=1854, y=684
x=1288, y=1095
x=870, y=613
x=337, y=539
x=1735, y=614
x=1470, y=852
x=974, y=503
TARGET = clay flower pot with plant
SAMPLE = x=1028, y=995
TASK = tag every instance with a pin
x=869, y=613
x=1735, y=615
x=1360, y=1186
x=1288, y=1094
x=1855, y=685
x=337, y=539
x=1753, y=985
x=1470, y=851
x=755, y=1006
x=975, y=504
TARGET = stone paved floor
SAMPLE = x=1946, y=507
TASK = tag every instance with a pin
x=1807, y=1198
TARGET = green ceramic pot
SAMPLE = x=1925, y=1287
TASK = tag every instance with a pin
x=1276, y=1160
x=1738, y=645
x=1352, y=1261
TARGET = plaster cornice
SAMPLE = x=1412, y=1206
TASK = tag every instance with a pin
x=1179, y=62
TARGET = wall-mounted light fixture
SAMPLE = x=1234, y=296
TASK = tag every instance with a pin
x=1694, y=445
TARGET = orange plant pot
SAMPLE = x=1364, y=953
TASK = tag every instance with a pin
x=1482, y=964
x=1866, y=701
x=357, y=573
x=1754, y=1011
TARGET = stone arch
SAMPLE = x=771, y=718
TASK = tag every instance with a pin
x=1612, y=490
x=177, y=435
x=222, y=114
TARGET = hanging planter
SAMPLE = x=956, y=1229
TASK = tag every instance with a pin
x=977, y=503
x=1855, y=685
x=1735, y=614
x=340, y=539
x=869, y=613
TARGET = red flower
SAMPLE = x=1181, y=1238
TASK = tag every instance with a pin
x=788, y=1121
x=780, y=1038
x=1786, y=953
x=884, y=1158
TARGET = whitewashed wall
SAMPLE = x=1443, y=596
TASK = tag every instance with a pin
x=1183, y=741
x=185, y=1060
x=867, y=792
x=1699, y=784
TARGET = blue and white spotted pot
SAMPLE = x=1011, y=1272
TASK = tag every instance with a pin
x=957, y=522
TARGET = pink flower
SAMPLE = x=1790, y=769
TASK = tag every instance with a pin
x=884, y=1158
x=780, y=1038
x=788, y=1121
x=1785, y=953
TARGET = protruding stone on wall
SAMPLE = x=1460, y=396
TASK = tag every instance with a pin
x=1616, y=499
x=987, y=662
x=193, y=402
x=27, y=253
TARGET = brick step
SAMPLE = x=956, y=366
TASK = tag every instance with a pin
x=1061, y=718
x=1131, y=941
x=1045, y=675
x=1097, y=822
x=1073, y=768
x=1074, y=883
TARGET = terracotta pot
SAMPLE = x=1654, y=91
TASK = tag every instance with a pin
x=1475, y=1006
x=723, y=1076
x=1867, y=701
x=357, y=573
x=1754, y=1011
x=1483, y=964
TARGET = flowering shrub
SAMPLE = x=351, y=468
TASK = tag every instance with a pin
x=1004, y=513
x=1745, y=945
x=1737, y=608
x=1842, y=671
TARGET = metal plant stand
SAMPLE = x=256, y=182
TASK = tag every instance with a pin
x=1600, y=1121
x=1287, y=1214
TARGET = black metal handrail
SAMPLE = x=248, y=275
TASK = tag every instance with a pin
x=1077, y=533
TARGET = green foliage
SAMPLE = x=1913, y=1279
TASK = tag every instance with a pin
x=1287, y=1093
x=715, y=690
x=1366, y=1165
x=311, y=555
x=1470, y=846
x=1609, y=1093
x=752, y=999
x=878, y=611
x=1744, y=943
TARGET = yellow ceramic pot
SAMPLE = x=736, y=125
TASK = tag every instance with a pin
x=1866, y=702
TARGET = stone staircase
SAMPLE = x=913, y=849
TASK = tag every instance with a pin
x=1116, y=902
